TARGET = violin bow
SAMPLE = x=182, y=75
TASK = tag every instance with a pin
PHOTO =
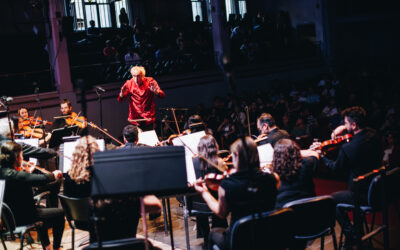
x=248, y=119
x=186, y=146
x=176, y=121
x=105, y=132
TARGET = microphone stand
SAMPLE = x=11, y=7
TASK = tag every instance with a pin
x=41, y=115
x=5, y=105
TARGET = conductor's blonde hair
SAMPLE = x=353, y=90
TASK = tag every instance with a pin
x=139, y=70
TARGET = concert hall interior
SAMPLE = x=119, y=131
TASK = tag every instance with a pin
x=199, y=124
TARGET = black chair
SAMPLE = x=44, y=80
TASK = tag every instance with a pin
x=268, y=229
x=11, y=229
x=315, y=218
x=374, y=205
x=77, y=213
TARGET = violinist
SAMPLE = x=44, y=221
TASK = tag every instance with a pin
x=31, y=126
x=18, y=195
x=28, y=150
x=68, y=117
x=245, y=192
x=207, y=148
x=141, y=92
x=360, y=155
x=269, y=131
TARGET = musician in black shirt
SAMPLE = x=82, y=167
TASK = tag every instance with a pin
x=268, y=130
x=359, y=156
x=234, y=193
x=18, y=195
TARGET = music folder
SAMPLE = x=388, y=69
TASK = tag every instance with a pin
x=140, y=171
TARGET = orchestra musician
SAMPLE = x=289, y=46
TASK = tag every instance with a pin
x=19, y=196
x=28, y=150
x=32, y=126
x=269, y=130
x=295, y=172
x=141, y=91
x=360, y=155
x=245, y=192
x=120, y=216
x=68, y=117
x=208, y=148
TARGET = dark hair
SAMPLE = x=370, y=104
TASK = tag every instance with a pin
x=9, y=153
x=130, y=133
x=356, y=114
x=195, y=123
x=266, y=118
x=287, y=159
x=253, y=161
x=207, y=147
x=67, y=102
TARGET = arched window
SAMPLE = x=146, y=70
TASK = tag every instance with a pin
x=99, y=11
x=232, y=7
x=197, y=9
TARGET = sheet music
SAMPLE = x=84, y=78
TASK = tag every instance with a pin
x=265, y=154
x=191, y=141
x=69, y=148
x=32, y=142
x=148, y=138
x=2, y=188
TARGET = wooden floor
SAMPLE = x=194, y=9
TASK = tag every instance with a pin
x=158, y=237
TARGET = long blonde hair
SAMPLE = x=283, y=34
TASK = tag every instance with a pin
x=81, y=160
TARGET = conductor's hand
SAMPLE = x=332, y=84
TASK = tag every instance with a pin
x=153, y=89
x=122, y=92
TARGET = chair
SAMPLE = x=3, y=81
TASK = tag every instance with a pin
x=374, y=197
x=272, y=229
x=122, y=244
x=193, y=206
x=315, y=218
x=10, y=228
x=77, y=213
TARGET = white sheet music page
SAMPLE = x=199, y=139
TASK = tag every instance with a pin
x=265, y=154
x=148, y=138
x=191, y=141
x=69, y=148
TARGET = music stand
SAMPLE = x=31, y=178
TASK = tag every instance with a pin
x=58, y=134
x=144, y=170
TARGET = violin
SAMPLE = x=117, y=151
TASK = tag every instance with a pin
x=29, y=132
x=34, y=121
x=30, y=167
x=75, y=120
x=213, y=180
x=329, y=144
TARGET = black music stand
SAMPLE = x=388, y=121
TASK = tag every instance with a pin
x=136, y=172
x=58, y=134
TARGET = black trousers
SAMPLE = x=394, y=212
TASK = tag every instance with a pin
x=52, y=218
